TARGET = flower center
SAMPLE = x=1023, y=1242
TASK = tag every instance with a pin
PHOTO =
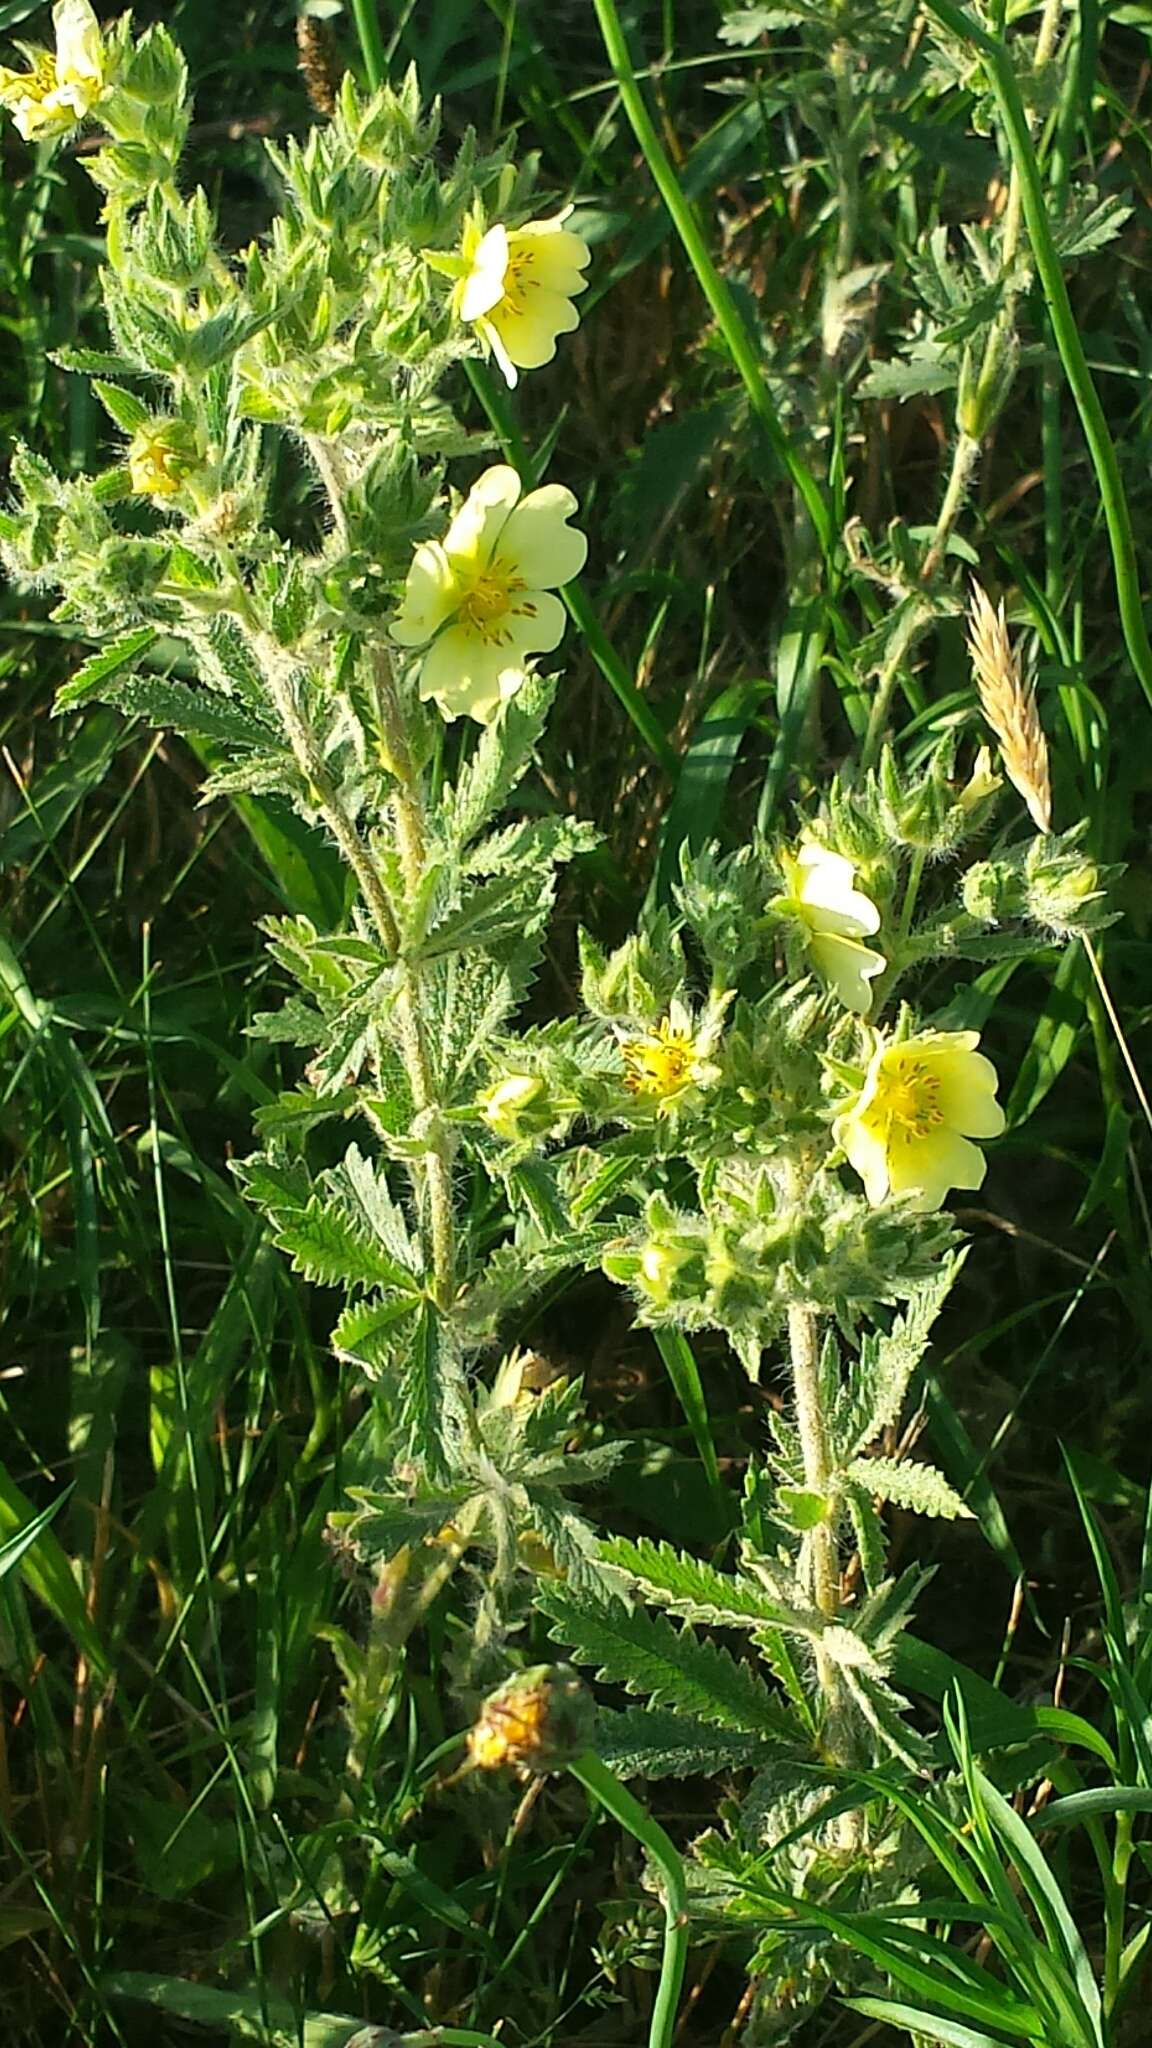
x=660, y=1064
x=518, y=279
x=910, y=1101
x=489, y=599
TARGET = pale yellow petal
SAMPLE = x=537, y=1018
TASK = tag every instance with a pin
x=967, y=1083
x=483, y=288
x=558, y=258
x=865, y=1150
x=79, y=49
x=496, y=348
x=828, y=889
x=534, y=622
x=537, y=544
x=847, y=967
x=926, y=1167
x=471, y=540
x=529, y=332
x=431, y=595
x=469, y=676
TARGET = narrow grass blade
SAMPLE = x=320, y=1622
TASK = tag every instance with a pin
x=684, y=1374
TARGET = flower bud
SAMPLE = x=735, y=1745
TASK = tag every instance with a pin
x=1064, y=889
x=161, y=455
x=540, y=1720
x=659, y=1265
x=505, y=1103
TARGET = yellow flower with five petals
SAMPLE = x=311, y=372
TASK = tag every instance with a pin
x=910, y=1128
x=836, y=917
x=483, y=597
x=60, y=87
x=516, y=287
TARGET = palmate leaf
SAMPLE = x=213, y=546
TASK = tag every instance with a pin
x=645, y=1654
x=502, y=755
x=877, y=1381
x=650, y=1742
x=700, y=1593
x=907, y=1484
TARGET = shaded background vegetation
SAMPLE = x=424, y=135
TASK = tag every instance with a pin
x=172, y=1753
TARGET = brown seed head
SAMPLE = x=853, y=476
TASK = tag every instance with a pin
x=1009, y=705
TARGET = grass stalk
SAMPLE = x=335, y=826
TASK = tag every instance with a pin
x=365, y=14
x=1101, y=447
x=605, y=1786
x=715, y=290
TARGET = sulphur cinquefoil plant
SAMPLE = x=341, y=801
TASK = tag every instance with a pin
x=752, y=1122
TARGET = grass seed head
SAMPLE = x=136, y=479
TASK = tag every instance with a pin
x=1009, y=705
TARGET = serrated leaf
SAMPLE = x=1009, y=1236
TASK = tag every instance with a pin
x=431, y=1395
x=645, y=1654
x=915, y=379
x=648, y=1742
x=699, y=1592
x=89, y=679
x=877, y=1381
x=174, y=705
x=907, y=1484
x=502, y=755
x=328, y=1246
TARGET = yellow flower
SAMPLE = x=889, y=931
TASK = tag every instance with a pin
x=484, y=595
x=517, y=289
x=665, y=1064
x=909, y=1130
x=836, y=917
x=160, y=456
x=61, y=87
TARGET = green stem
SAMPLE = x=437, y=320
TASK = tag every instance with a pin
x=367, y=19
x=605, y=1786
x=1114, y=1911
x=277, y=668
x=820, y=1542
x=715, y=290
x=1002, y=78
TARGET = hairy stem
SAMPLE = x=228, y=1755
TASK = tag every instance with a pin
x=820, y=1542
x=605, y=1786
x=277, y=667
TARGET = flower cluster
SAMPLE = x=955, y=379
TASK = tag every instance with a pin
x=61, y=86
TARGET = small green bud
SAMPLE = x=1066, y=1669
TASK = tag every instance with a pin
x=507, y=1102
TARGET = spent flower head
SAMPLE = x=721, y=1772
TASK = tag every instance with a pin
x=63, y=85
x=484, y=595
x=835, y=917
x=908, y=1130
x=516, y=286
x=539, y=1720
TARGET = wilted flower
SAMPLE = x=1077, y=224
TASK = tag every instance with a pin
x=540, y=1719
x=836, y=917
x=909, y=1130
x=982, y=784
x=666, y=1064
x=61, y=87
x=484, y=594
x=516, y=288
x=160, y=456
